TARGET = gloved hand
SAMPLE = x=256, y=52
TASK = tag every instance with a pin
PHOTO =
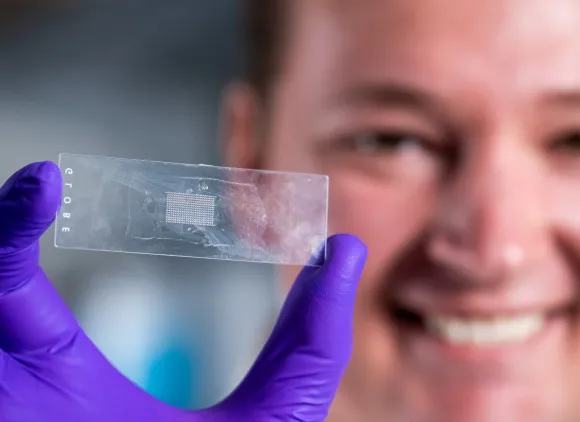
x=50, y=370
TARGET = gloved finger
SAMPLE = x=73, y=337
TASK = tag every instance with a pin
x=29, y=201
x=32, y=315
x=298, y=371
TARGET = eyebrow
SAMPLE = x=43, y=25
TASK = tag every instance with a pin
x=565, y=98
x=388, y=95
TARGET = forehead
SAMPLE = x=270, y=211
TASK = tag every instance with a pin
x=502, y=46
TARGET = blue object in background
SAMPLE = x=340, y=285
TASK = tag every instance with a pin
x=174, y=373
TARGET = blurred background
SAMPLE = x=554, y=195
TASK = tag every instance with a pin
x=136, y=79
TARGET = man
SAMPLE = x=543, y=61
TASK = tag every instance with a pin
x=450, y=130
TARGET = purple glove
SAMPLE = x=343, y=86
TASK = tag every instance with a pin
x=50, y=370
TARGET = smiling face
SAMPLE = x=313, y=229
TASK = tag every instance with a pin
x=450, y=130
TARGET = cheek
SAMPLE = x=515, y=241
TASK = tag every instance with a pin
x=385, y=216
x=288, y=275
x=564, y=204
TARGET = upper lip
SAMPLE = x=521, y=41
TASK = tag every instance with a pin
x=436, y=296
x=420, y=286
x=461, y=309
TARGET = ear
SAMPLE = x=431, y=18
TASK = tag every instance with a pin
x=239, y=126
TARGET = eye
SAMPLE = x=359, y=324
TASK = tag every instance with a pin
x=385, y=142
x=568, y=141
x=391, y=154
x=403, y=144
x=565, y=152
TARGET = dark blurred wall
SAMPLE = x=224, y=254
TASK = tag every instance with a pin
x=136, y=79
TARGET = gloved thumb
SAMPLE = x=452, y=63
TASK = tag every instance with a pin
x=297, y=374
x=29, y=201
x=32, y=315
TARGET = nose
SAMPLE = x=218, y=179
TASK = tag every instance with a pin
x=491, y=217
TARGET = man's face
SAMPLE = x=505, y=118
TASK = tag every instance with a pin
x=450, y=130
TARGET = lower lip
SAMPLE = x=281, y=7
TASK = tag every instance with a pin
x=419, y=339
x=497, y=382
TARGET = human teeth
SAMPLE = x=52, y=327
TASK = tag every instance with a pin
x=485, y=332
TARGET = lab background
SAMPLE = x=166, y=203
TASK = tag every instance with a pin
x=136, y=79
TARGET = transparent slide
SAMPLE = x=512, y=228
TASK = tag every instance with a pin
x=197, y=211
